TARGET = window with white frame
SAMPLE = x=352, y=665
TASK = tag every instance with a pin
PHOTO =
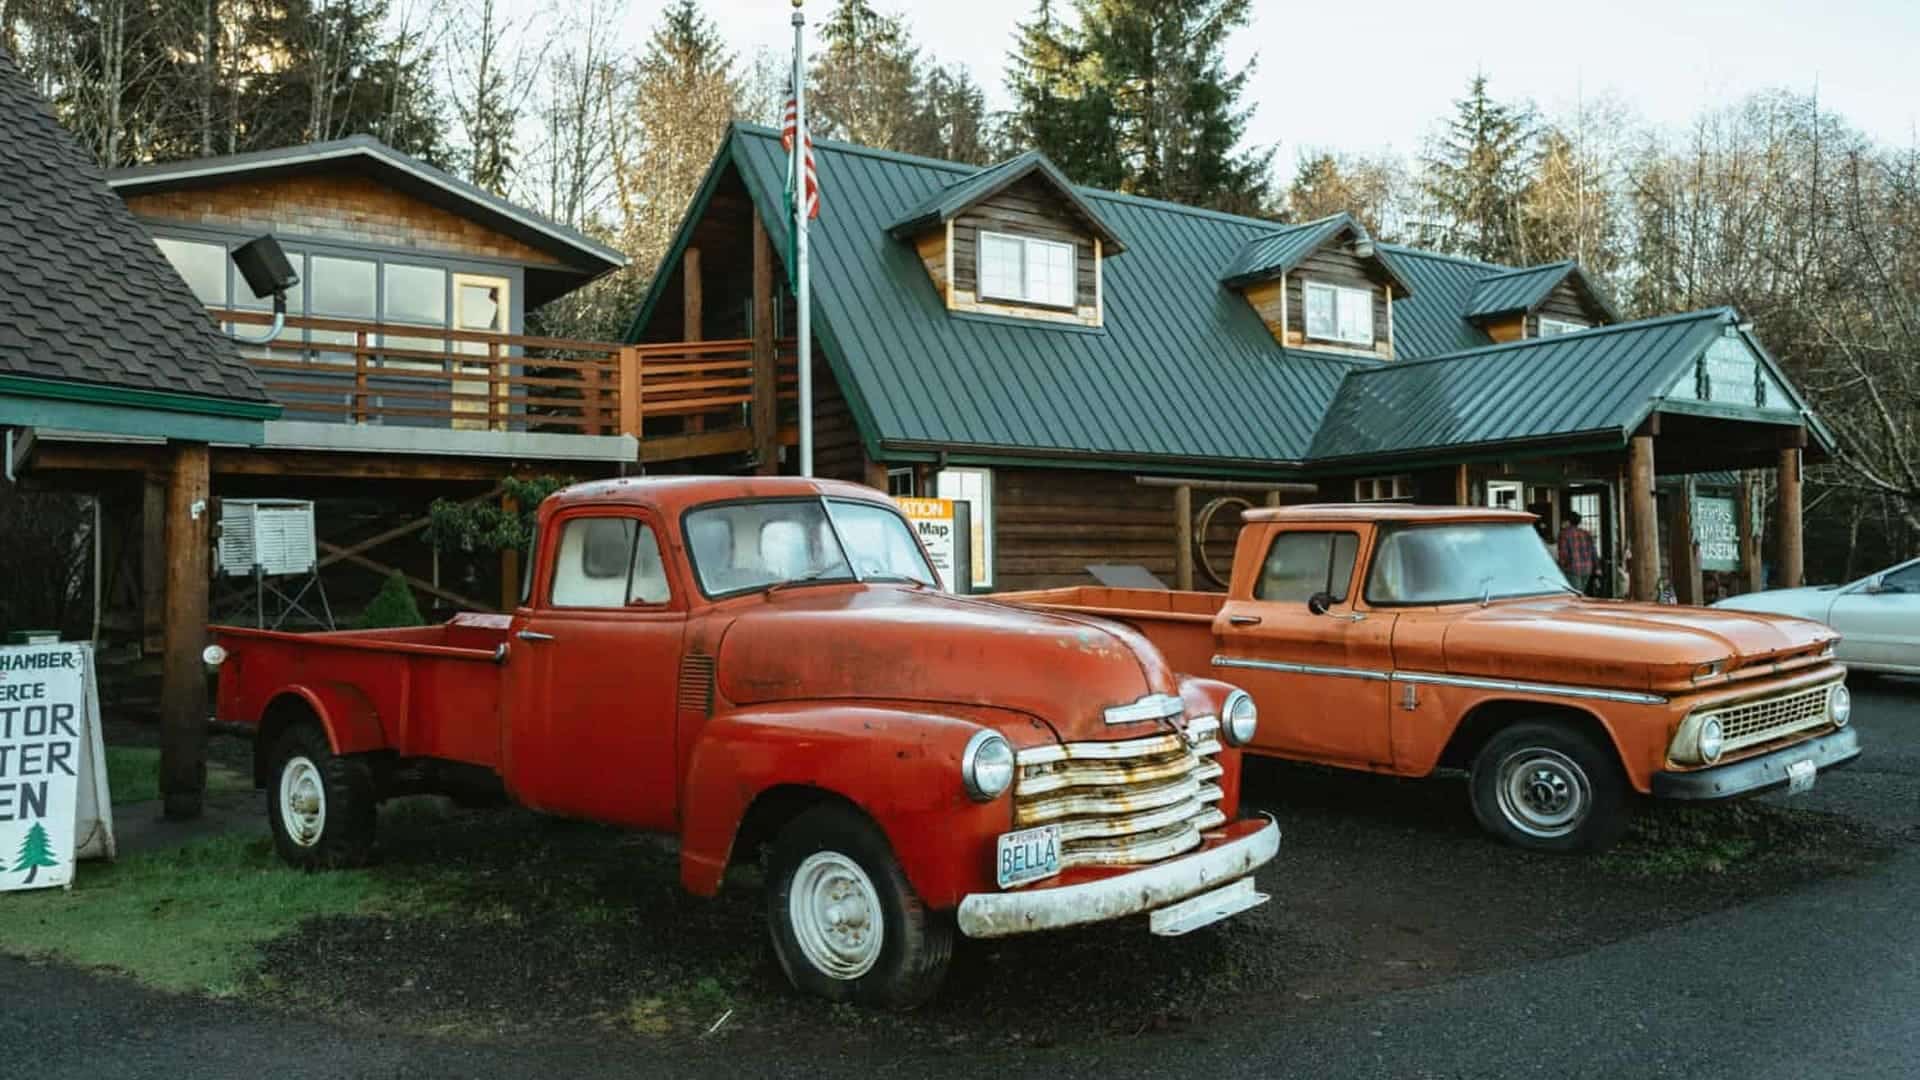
x=1338, y=313
x=1026, y=269
x=975, y=488
x=1383, y=488
x=1550, y=327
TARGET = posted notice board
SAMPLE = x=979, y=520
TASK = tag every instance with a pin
x=54, y=804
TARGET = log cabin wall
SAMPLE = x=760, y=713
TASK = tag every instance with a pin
x=1028, y=207
x=1048, y=524
x=837, y=451
x=339, y=208
x=1336, y=266
x=1568, y=303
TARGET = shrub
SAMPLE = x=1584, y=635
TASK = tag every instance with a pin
x=392, y=606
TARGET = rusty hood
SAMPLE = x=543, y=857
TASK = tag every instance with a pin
x=901, y=644
x=1564, y=639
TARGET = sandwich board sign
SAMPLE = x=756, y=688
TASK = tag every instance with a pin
x=54, y=804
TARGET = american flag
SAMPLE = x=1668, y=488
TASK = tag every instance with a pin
x=789, y=125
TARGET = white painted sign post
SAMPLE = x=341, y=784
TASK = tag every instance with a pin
x=54, y=804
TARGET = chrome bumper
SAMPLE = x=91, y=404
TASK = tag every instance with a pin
x=1758, y=774
x=1001, y=914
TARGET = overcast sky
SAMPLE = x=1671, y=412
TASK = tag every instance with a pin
x=1371, y=75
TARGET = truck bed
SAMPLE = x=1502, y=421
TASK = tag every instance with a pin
x=1180, y=623
x=432, y=691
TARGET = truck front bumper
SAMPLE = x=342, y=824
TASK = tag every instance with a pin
x=1753, y=775
x=1002, y=914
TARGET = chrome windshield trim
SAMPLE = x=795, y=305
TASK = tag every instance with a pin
x=1299, y=669
x=1151, y=707
x=1591, y=693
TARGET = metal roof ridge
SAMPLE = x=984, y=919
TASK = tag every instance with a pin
x=1495, y=269
x=863, y=150
x=1584, y=335
x=1538, y=268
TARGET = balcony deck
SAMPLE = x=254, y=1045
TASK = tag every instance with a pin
x=349, y=385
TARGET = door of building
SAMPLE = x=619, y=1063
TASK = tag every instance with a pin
x=480, y=304
x=1594, y=504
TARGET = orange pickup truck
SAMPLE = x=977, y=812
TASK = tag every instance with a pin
x=1411, y=640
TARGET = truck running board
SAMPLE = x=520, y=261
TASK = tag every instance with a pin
x=1206, y=909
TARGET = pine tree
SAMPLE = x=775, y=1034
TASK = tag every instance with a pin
x=1136, y=95
x=870, y=85
x=1477, y=176
x=1369, y=188
x=36, y=853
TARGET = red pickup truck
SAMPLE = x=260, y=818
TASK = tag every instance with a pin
x=741, y=662
x=1411, y=640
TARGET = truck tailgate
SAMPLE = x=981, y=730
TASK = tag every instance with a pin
x=1180, y=624
x=431, y=691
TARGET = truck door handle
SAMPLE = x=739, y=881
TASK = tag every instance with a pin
x=533, y=635
x=1244, y=620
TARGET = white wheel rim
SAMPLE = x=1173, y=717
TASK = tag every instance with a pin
x=1543, y=792
x=835, y=913
x=303, y=801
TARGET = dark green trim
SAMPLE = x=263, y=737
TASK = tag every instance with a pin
x=1025, y=324
x=124, y=421
x=1721, y=411
x=135, y=398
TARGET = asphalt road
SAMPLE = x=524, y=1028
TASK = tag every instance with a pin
x=1822, y=982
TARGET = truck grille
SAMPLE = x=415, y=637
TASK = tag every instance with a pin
x=1751, y=723
x=1123, y=803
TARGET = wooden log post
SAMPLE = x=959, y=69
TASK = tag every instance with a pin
x=1462, y=487
x=153, y=564
x=360, y=360
x=509, y=561
x=630, y=391
x=1183, y=537
x=692, y=317
x=765, y=410
x=497, y=390
x=1749, y=536
x=1683, y=551
x=1792, y=569
x=183, y=681
x=1643, y=532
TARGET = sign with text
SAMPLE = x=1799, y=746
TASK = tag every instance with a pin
x=934, y=523
x=53, y=792
x=1715, y=530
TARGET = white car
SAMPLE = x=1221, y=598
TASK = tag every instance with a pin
x=1878, y=616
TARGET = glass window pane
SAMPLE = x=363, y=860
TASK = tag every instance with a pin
x=1050, y=273
x=1001, y=263
x=590, y=569
x=342, y=288
x=416, y=294
x=1320, y=312
x=649, y=573
x=1356, y=316
x=204, y=266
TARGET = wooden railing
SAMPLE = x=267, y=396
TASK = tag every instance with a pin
x=428, y=376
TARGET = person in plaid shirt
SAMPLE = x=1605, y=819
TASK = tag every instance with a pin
x=1577, y=555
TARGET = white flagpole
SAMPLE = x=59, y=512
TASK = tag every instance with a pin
x=803, y=288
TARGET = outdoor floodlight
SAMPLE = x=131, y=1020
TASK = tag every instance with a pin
x=268, y=273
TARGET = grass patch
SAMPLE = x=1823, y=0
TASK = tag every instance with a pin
x=1675, y=842
x=133, y=775
x=191, y=918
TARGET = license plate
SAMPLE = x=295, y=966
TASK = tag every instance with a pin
x=1028, y=855
x=1800, y=776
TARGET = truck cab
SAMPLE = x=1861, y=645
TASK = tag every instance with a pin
x=1411, y=640
x=771, y=662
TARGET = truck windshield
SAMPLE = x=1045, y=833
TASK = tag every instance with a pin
x=1447, y=564
x=743, y=546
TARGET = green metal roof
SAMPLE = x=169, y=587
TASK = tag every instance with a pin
x=1183, y=374
x=1430, y=322
x=1281, y=250
x=1601, y=383
x=957, y=196
x=1524, y=289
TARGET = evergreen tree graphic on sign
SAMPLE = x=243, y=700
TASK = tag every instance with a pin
x=35, y=852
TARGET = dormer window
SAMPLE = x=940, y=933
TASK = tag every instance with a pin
x=1026, y=270
x=1338, y=313
x=1550, y=327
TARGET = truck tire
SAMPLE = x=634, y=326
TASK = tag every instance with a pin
x=1550, y=787
x=846, y=924
x=321, y=805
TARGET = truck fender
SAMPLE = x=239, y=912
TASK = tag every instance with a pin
x=900, y=767
x=351, y=722
x=1483, y=718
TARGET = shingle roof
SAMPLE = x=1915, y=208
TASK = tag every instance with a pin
x=85, y=296
x=1603, y=381
x=957, y=196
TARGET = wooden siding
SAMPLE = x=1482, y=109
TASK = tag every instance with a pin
x=1510, y=328
x=345, y=208
x=1027, y=208
x=837, y=452
x=1336, y=266
x=1048, y=524
x=1567, y=302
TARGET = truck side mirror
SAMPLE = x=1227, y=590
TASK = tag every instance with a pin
x=1319, y=602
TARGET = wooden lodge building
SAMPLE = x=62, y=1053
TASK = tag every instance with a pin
x=1105, y=377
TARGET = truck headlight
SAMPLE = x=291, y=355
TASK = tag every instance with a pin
x=1840, y=705
x=1239, y=718
x=986, y=767
x=1711, y=740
